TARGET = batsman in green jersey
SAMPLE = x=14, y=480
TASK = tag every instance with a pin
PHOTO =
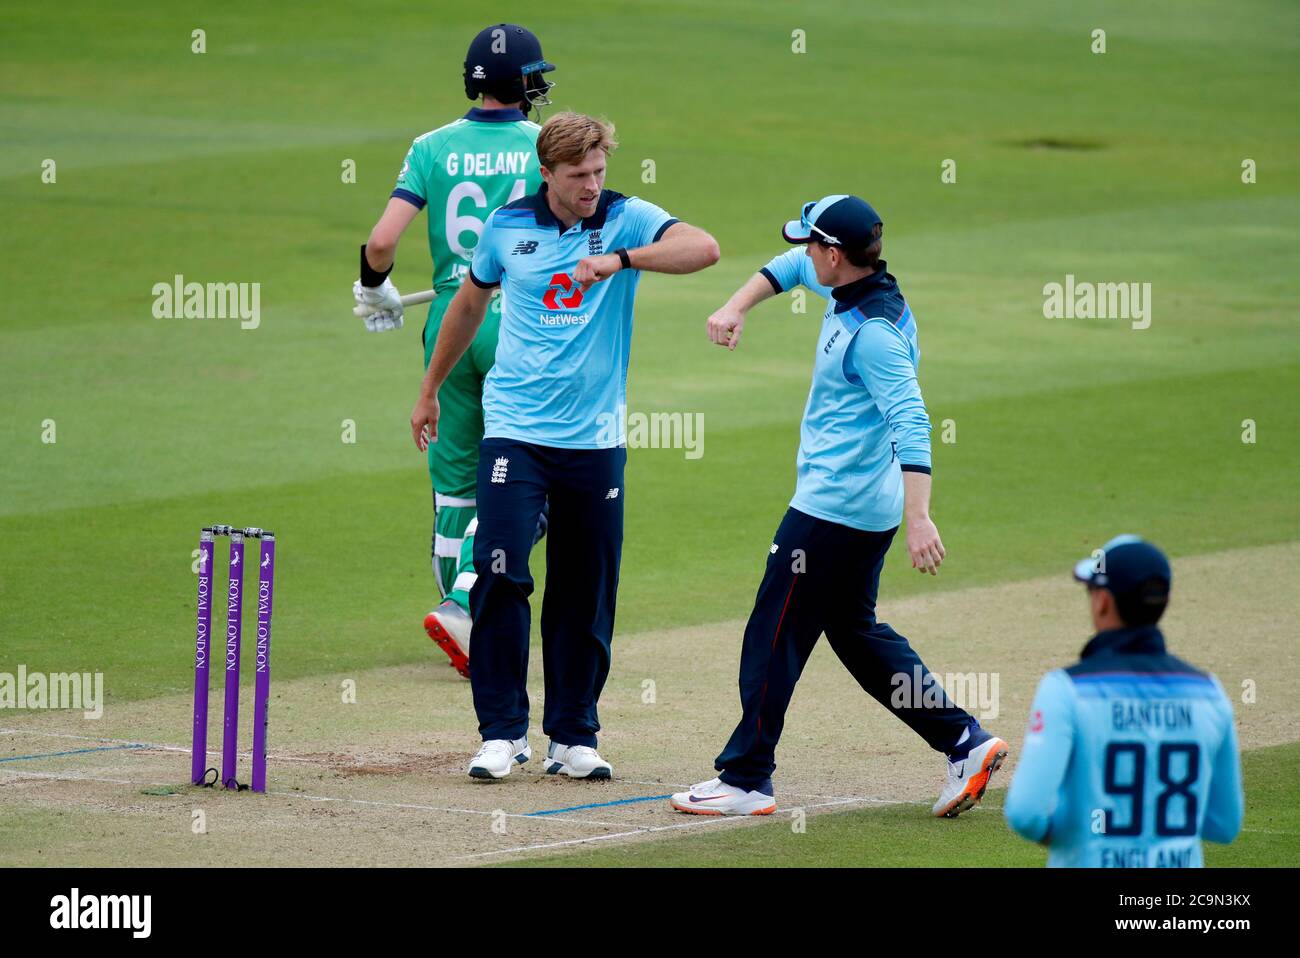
x=461, y=172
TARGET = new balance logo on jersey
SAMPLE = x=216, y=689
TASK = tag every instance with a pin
x=499, y=469
x=524, y=247
x=612, y=494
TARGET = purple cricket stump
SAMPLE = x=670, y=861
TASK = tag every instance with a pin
x=262, y=683
x=234, y=616
x=202, y=659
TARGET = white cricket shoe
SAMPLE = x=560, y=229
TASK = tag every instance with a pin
x=716, y=797
x=968, y=778
x=449, y=626
x=498, y=756
x=576, y=761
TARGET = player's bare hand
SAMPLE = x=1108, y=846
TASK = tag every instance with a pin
x=725, y=326
x=592, y=269
x=924, y=545
x=424, y=422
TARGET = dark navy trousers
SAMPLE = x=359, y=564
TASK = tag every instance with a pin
x=584, y=544
x=823, y=577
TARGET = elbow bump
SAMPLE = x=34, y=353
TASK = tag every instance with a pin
x=712, y=252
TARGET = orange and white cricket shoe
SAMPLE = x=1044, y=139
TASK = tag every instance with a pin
x=968, y=778
x=449, y=626
x=716, y=797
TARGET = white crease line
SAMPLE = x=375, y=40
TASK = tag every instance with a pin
x=357, y=760
x=80, y=778
x=318, y=798
x=649, y=829
x=721, y=820
x=92, y=738
x=830, y=799
x=434, y=808
x=630, y=781
x=173, y=748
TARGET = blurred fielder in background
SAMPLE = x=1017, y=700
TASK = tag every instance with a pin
x=864, y=463
x=1130, y=758
x=461, y=172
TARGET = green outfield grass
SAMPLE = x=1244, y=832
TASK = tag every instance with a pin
x=905, y=836
x=225, y=167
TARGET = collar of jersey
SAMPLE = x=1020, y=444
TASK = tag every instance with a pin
x=504, y=115
x=544, y=216
x=850, y=294
x=1142, y=640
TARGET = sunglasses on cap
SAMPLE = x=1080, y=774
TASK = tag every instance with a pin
x=808, y=225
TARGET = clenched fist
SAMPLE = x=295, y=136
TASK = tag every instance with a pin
x=725, y=326
x=592, y=269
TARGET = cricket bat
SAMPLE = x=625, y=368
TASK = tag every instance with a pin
x=415, y=299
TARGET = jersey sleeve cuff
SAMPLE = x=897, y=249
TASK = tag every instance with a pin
x=480, y=283
x=663, y=229
x=408, y=196
x=776, y=287
x=914, y=467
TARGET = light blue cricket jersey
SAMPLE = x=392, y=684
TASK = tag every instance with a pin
x=1130, y=759
x=560, y=377
x=865, y=421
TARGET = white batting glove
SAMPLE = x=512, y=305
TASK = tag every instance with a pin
x=382, y=321
x=380, y=307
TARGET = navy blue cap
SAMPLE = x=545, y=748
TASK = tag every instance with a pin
x=1131, y=568
x=839, y=220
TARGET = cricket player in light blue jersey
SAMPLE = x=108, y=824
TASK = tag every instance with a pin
x=864, y=463
x=1130, y=758
x=568, y=259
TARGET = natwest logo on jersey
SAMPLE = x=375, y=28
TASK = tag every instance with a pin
x=564, y=294
x=563, y=283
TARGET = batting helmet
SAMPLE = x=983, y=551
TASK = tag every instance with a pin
x=505, y=61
